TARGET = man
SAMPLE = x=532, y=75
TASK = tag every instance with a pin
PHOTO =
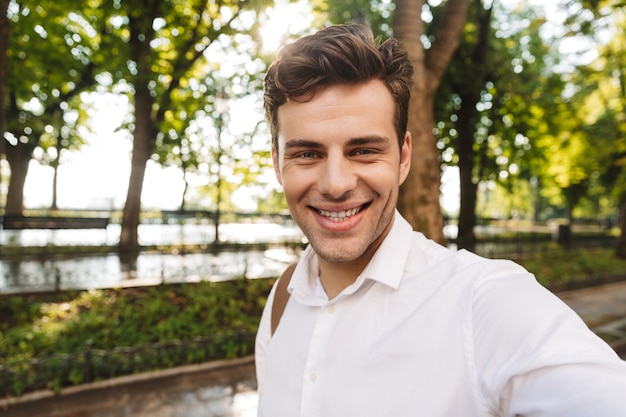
x=381, y=321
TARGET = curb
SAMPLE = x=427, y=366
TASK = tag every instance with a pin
x=207, y=369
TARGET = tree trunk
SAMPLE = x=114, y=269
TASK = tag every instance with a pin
x=183, y=198
x=143, y=135
x=465, y=150
x=142, y=139
x=55, y=181
x=419, y=199
x=18, y=157
x=55, y=178
x=469, y=92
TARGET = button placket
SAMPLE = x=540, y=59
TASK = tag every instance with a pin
x=314, y=370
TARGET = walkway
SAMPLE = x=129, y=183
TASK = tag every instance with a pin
x=603, y=308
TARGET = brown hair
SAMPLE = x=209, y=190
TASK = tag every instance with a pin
x=337, y=54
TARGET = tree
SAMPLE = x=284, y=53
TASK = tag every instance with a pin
x=492, y=107
x=466, y=84
x=420, y=194
x=167, y=42
x=49, y=65
x=601, y=99
x=583, y=138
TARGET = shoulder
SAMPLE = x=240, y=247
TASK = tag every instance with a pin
x=427, y=256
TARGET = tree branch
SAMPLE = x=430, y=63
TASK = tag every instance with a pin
x=447, y=39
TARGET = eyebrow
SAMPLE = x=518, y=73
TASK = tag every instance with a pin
x=369, y=140
x=363, y=140
x=302, y=143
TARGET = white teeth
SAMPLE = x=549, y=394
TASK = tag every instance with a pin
x=338, y=216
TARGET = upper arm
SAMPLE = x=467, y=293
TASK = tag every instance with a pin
x=534, y=355
x=263, y=337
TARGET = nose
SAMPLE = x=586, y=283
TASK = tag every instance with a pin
x=337, y=177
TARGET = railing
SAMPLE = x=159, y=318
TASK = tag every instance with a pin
x=53, y=222
x=63, y=370
x=166, y=216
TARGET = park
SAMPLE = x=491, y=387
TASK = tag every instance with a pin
x=142, y=226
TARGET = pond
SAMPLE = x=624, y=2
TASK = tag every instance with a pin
x=45, y=273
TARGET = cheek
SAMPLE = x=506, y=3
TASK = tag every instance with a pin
x=299, y=183
x=383, y=180
x=294, y=183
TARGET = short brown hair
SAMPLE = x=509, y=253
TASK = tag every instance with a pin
x=337, y=54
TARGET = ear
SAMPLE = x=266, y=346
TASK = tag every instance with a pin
x=275, y=161
x=405, y=157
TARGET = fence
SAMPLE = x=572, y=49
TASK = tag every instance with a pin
x=62, y=370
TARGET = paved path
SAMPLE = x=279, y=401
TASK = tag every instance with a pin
x=603, y=308
x=214, y=389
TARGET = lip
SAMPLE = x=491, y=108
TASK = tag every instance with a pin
x=339, y=218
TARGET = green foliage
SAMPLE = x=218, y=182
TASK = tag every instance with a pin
x=49, y=63
x=114, y=332
x=378, y=14
x=34, y=327
x=560, y=270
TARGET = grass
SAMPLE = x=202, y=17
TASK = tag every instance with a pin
x=565, y=270
x=39, y=325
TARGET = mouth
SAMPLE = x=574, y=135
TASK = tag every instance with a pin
x=339, y=216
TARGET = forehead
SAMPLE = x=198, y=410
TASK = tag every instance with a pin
x=337, y=112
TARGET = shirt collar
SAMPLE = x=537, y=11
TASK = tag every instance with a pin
x=386, y=266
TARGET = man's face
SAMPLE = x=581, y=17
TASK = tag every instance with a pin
x=340, y=167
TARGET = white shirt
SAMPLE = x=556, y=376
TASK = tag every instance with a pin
x=426, y=331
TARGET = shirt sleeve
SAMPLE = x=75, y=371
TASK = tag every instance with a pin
x=263, y=337
x=583, y=389
x=535, y=356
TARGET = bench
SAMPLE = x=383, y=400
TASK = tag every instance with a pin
x=53, y=222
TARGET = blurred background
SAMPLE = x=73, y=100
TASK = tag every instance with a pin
x=134, y=150
x=119, y=110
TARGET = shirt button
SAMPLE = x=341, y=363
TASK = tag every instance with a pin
x=313, y=376
x=331, y=308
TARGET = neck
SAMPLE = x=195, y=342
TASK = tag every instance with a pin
x=337, y=276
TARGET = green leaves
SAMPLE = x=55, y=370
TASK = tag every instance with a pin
x=129, y=317
x=103, y=333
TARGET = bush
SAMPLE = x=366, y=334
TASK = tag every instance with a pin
x=124, y=331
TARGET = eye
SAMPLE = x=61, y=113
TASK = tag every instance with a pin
x=363, y=152
x=307, y=155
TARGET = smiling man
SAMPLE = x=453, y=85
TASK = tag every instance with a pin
x=378, y=320
x=340, y=163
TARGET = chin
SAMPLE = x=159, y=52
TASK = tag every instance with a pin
x=332, y=255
